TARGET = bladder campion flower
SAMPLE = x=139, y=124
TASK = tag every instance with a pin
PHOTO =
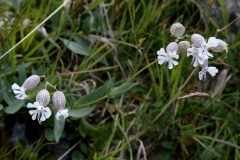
x=42, y=112
x=59, y=101
x=211, y=70
x=203, y=46
x=220, y=47
x=29, y=84
x=172, y=49
x=193, y=51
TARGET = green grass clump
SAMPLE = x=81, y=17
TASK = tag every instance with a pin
x=122, y=104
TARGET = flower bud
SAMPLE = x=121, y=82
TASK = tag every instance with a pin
x=173, y=46
x=197, y=40
x=31, y=82
x=43, y=97
x=177, y=29
x=220, y=47
x=59, y=100
x=183, y=46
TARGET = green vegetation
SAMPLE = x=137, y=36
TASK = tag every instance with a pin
x=122, y=104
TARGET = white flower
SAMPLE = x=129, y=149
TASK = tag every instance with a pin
x=19, y=91
x=59, y=101
x=26, y=22
x=211, y=70
x=167, y=57
x=203, y=46
x=63, y=113
x=196, y=58
x=29, y=84
x=41, y=112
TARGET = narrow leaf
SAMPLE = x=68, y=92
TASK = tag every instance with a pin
x=14, y=107
x=98, y=93
x=118, y=91
x=75, y=47
x=80, y=112
x=58, y=128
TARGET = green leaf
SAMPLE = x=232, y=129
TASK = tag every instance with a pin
x=80, y=112
x=58, y=128
x=98, y=93
x=76, y=155
x=118, y=91
x=49, y=135
x=75, y=47
x=14, y=107
x=22, y=73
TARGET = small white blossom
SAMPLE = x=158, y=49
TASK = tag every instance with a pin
x=29, y=84
x=203, y=46
x=211, y=70
x=59, y=101
x=19, y=91
x=26, y=22
x=172, y=49
x=41, y=112
x=63, y=113
x=196, y=58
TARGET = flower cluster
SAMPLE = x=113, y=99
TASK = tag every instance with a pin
x=41, y=111
x=198, y=48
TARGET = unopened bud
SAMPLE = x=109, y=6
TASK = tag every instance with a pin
x=220, y=47
x=31, y=82
x=197, y=40
x=173, y=46
x=43, y=97
x=177, y=29
x=59, y=100
x=183, y=46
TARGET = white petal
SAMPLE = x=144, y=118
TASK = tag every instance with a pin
x=161, y=57
x=212, y=71
x=212, y=42
x=21, y=96
x=161, y=52
x=42, y=118
x=189, y=54
x=65, y=113
x=58, y=115
x=34, y=114
x=200, y=52
x=161, y=61
x=200, y=75
x=170, y=64
x=175, y=55
x=47, y=112
x=30, y=105
x=15, y=86
x=174, y=62
x=195, y=63
x=200, y=61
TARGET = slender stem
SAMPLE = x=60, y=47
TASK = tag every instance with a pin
x=219, y=30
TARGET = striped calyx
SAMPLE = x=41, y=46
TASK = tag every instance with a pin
x=31, y=82
x=220, y=47
x=43, y=97
x=183, y=46
x=177, y=29
x=59, y=100
x=197, y=40
x=173, y=46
